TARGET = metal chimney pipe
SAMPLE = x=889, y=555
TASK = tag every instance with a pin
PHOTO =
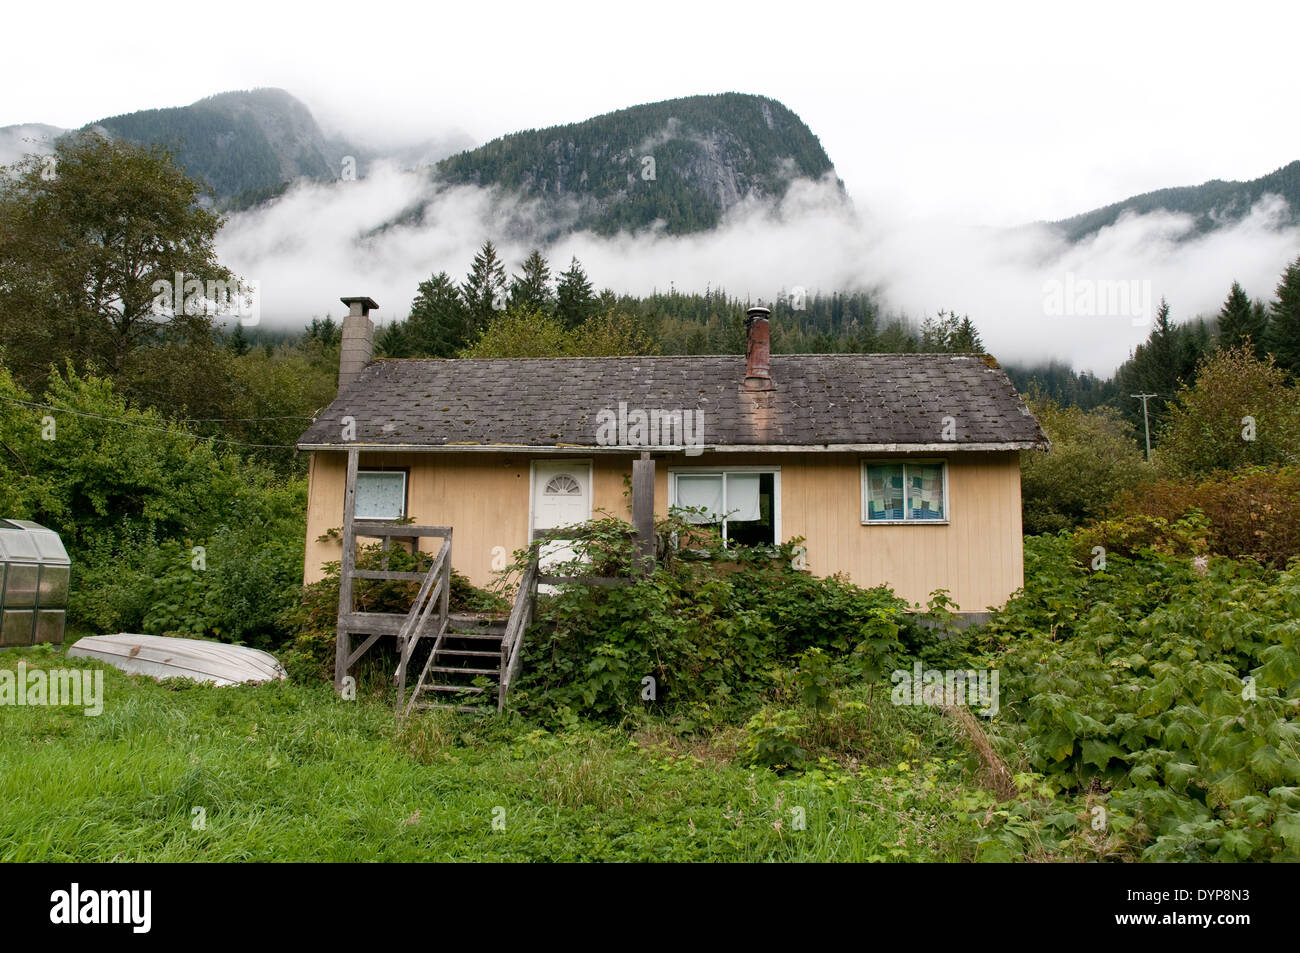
x=357, y=347
x=758, y=350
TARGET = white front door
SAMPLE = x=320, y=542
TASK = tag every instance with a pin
x=561, y=497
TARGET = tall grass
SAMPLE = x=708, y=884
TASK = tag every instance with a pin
x=290, y=772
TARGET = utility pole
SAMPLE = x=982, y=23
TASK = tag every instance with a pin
x=1146, y=423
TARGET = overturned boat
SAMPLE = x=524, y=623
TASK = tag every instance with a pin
x=166, y=657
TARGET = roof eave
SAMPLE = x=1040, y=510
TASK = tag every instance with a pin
x=943, y=447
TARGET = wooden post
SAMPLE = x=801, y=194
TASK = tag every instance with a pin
x=444, y=609
x=343, y=641
x=643, y=507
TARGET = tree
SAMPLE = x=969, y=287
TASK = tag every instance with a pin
x=1284, y=323
x=484, y=287
x=520, y=333
x=439, y=322
x=1159, y=365
x=1094, y=457
x=83, y=248
x=947, y=333
x=392, y=340
x=323, y=331
x=523, y=333
x=967, y=339
x=574, y=299
x=1239, y=412
x=531, y=288
x=1240, y=321
x=238, y=340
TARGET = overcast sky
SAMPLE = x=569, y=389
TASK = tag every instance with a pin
x=987, y=113
x=937, y=116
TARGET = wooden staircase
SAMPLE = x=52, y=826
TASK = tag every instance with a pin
x=465, y=659
x=462, y=669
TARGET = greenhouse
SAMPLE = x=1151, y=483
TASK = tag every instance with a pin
x=34, y=569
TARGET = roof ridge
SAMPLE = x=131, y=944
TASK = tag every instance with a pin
x=678, y=357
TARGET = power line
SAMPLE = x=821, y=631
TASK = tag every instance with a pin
x=243, y=419
x=167, y=430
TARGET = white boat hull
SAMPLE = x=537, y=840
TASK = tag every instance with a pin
x=165, y=657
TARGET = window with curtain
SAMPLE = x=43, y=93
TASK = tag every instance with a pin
x=904, y=492
x=381, y=494
x=741, y=504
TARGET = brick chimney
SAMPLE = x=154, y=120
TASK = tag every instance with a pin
x=758, y=351
x=358, y=341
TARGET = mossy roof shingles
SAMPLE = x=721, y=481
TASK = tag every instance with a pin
x=819, y=400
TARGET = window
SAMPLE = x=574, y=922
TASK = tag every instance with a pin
x=742, y=504
x=381, y=494
x=563, y=485
x=904, y=492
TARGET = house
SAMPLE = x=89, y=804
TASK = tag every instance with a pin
x=901, y=469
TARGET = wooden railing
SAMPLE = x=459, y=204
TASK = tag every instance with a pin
x=435, y=591
x=521, y=617
x=521, y=614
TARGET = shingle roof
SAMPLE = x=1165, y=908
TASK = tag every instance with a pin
x=897, y=401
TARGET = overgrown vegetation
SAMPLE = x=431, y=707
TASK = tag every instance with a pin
x=1151, y=708
x=697, y=640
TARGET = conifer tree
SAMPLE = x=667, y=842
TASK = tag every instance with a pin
x=238, y=341
x=1240, y=320
x=574, y=299
x=1284, y=321
x=392, y=340
x=967, y=339
x=531, y=289
x=438, y=325
x=484, y=288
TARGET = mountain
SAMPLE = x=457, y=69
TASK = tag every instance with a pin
x=1212, y=205
x=238, y=142
x=683, y=162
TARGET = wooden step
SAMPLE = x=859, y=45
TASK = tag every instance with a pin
x=462, y=634
x=463, y=671
x=467, y=689
x=475, y=652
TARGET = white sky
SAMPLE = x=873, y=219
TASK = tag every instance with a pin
x=990, y=113
x=936, y=115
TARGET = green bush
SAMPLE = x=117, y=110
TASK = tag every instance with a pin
x=1250, y=514
x=312, y=617
x=1166, y=695
x=1240, y=412
x=1094, y=456
x=132, y=495
x=696, y=638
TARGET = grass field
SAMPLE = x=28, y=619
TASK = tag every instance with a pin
x=177, y=771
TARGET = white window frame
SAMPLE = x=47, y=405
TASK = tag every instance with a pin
x=406, y=481
x=722, y=471
x=904, y=462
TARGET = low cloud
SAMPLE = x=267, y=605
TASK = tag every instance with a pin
x=322, y=241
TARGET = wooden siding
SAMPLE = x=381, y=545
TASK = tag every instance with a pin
x=977, y=555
